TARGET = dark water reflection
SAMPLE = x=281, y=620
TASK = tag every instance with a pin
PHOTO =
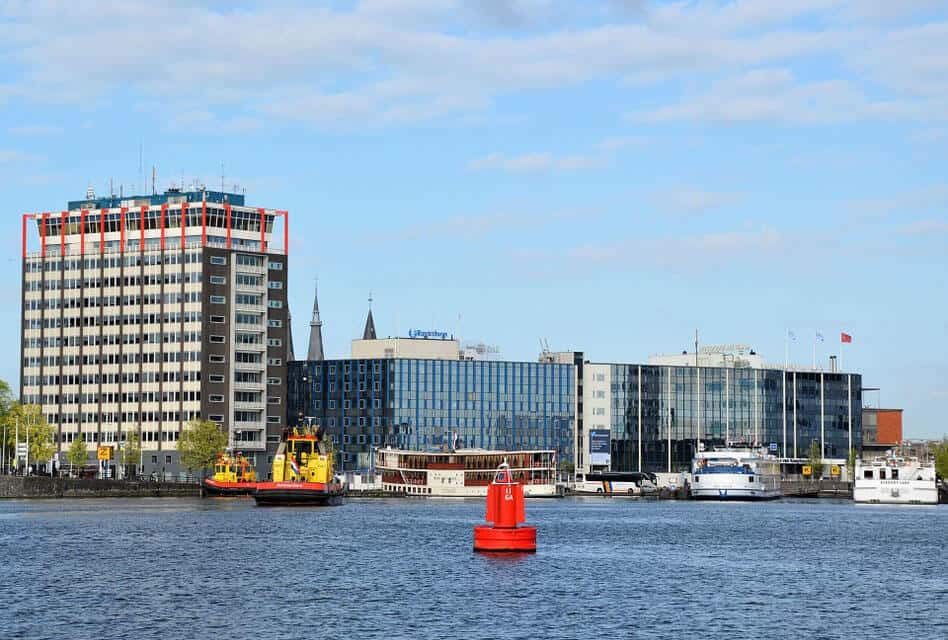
x=177, y=568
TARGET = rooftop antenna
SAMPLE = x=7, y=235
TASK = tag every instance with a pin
x=111, y=187
x=154, y=177
x=141, y=177
x=696, y=347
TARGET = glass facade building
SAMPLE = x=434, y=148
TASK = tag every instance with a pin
x=659, y=414
x=428, y=404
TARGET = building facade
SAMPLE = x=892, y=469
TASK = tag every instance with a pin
x=656, y=415
x=142, y=313
x=425, y=404
x=881, y=430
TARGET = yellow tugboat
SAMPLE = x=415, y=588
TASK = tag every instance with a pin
x=233, y=476
x=302, y=472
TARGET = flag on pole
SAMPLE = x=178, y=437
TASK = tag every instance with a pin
x=792, y=335
x=819, y=336
x=845, y=337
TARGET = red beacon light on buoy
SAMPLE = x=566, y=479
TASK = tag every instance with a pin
x=505, y=511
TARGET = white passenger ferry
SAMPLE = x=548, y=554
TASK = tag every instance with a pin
x=464, y=473
x=895, y=481
x=735, y=474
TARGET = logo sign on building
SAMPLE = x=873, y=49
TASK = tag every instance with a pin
x=600, y=447
x=104, y=453
x=773, y=446
x=427, y=333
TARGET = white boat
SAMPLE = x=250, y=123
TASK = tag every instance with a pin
x=895, y=481
x=464, y=473
x=735, y=474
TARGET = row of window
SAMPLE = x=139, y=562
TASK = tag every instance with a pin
x=132, y=319
x=111, y=339
x=113, y=261
x=115, y=358
x=97, y=302
x=113, y=378
x=108, y=397
x=149, y=279
x=123, y=417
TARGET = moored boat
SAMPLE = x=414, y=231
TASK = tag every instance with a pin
x=735, y=474
x=895, y=480
x=464, y=473
x=302, y=473
x=233, y=476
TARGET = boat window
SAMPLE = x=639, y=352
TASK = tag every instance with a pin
x=882, y=474
x=867, y=474
x=750, y=478
x=895, y=474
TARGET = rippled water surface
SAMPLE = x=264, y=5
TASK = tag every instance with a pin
x=191, y=568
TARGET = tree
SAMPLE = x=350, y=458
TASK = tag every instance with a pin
x=131, y=452
x=76, y=454
x=200, y=443
x=816, y=459
x=32, y=423
x=940, y=452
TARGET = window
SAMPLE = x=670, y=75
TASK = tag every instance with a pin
x=216, y=359
x=276, y=266
x=274, y=323
x=167, y=459
x=216, y=397
x=217, y=319
x=275, y=284
x=218, y=339
x=218, y=300
x=214, y=377
x=247, y=298
x=275, y=304
x=273, y=419
x=274, y=362
x=273, y=400
x=218, y=280
x=867, y=474
x=273, y=381
x=218, y=260
x=250, y=261
x=274, y=342
x=215, y=418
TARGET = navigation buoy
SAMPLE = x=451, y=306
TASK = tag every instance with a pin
x=505, y=510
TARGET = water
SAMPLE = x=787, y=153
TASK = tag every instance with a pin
x=183, y=568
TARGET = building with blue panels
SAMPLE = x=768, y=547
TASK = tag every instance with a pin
x=658, y=414
x=424, y=404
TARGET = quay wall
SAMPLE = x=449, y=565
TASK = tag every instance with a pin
x=41, y=487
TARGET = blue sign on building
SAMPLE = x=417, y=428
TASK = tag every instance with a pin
x=600, y=447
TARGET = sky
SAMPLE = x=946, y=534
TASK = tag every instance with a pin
x=606, y=176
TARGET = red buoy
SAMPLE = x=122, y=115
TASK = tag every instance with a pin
x=505, y=511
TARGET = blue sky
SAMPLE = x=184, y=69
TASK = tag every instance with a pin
x=607, y=176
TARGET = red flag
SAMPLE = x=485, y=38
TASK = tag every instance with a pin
x=845, y=337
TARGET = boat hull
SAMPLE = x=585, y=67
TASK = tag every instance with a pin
x=301, y=494
x=895, y=492
x=228, y=489
x=721, y=486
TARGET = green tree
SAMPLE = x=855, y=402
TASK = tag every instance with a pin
x=131, y=452
x=815, y=459
x=76, y=454
x=32, y=423
x=940, y=452
x=200, y=443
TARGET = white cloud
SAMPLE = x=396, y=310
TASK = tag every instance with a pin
x=692, y=201
x=925, y=227
x=534, y=162
x=394, y=61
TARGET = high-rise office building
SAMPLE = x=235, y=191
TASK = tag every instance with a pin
x=141, y=313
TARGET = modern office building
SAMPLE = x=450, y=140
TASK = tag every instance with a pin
x=653, y=416
x=425, y=403
x=141, y=313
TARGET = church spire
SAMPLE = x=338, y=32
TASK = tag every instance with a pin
x=315, y=351
x=369, y=332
